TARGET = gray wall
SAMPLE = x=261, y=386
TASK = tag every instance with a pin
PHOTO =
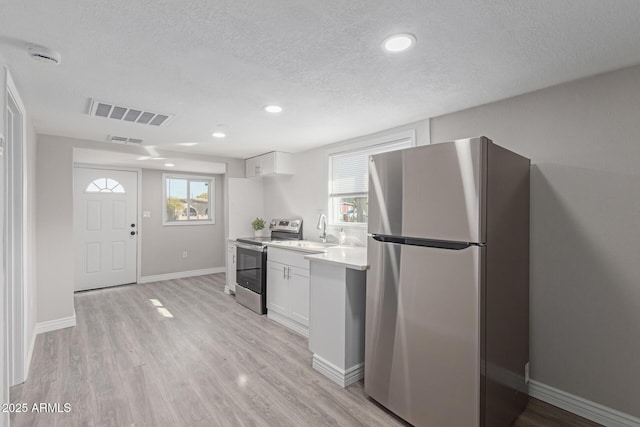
x=584, y=142
x=54, y=222
x=162, y=246
x=54, y=219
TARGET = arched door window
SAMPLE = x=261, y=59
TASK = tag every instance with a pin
x=104, y=185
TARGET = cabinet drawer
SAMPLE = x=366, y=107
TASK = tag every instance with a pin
x=284, y=256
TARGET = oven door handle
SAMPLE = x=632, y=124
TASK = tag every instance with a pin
x=249, y=247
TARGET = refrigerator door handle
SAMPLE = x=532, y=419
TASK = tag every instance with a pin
x=430, y=243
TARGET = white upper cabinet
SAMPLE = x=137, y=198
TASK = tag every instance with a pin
x=273, y=163
x=251, y=167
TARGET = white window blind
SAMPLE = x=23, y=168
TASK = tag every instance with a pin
x=350, y=170
x=349, y=174
x=349, y=181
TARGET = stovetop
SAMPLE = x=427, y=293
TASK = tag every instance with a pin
x=258, y=241
x=281, y=229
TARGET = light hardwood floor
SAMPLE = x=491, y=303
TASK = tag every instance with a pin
x=214, y=363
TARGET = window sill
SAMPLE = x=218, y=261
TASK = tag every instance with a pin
x=347, y=225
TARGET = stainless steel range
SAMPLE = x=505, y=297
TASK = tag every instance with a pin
x=251, y=265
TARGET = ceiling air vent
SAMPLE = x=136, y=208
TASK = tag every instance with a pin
x=127, y=114
x=124, y=140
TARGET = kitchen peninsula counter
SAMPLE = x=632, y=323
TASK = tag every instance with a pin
x=337, y=312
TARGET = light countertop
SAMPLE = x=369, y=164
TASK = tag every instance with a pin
x=308, y=246
x=353, y=257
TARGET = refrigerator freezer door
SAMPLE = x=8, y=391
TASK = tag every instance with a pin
x=432, y=192
x=423, y=321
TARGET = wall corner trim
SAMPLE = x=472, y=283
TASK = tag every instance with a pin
x=53, y=325
x=181, y=274
x=32, y=345
x=580, y=406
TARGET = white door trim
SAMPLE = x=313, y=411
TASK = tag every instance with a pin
x=16, y=263
x=138, y=204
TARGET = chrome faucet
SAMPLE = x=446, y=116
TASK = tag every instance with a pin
x=322, y=225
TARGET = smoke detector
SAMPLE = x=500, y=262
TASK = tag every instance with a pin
x=44, y=54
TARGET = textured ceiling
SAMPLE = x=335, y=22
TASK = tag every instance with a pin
x=220, y=62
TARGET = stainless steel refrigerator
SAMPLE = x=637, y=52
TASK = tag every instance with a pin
x=447, y=313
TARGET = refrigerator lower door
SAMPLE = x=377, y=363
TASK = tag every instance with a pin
x=423, y=339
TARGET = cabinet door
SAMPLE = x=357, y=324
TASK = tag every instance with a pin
x=283, y=163
x=251, y=167
x=277, y=288
x=267, y=164
x=231, y=267
x=299, y=291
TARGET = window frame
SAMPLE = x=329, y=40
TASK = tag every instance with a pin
x=102, y=190
x=367, y=147
x=189, y=178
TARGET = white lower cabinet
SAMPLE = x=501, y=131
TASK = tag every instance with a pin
x=277, y=289
x=288, y=289
x=299, y=296
x=231, y=267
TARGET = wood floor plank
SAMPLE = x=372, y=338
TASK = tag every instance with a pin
x=539, y=413
x=214, y=363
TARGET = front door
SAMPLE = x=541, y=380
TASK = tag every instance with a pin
x=105, y=227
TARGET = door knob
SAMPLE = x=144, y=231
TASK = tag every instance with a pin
x=133, y=225
x=133, y=233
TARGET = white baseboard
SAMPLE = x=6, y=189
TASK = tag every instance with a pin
x=53, y=325
x=285, y=321
x=580, y=406
x=343, y=378
x=181, y=274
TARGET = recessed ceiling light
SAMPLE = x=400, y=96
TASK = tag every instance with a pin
x=218, y=134
x=398, y=42
x=158, y=158
x=273, y=108
x=144, y=158
x=169, y=165
x=187, y=144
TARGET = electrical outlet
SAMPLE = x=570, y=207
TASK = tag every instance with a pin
x=526, y=373
x=185, y=254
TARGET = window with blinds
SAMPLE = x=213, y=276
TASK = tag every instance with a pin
x=349, y=179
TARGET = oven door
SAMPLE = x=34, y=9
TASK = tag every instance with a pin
x=250, y=267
